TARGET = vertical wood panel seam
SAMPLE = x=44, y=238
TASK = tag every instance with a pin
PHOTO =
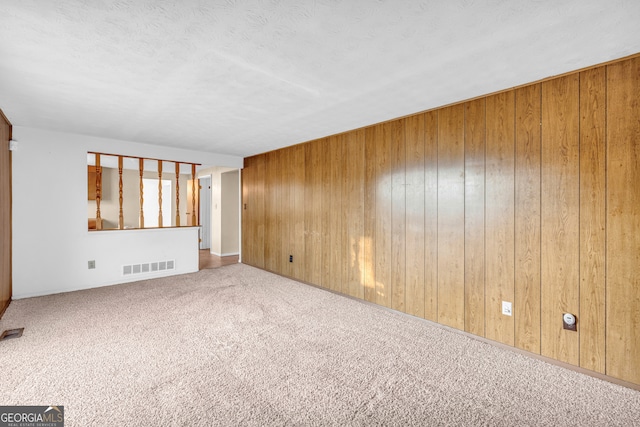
x=515, y=213
x=403, y=127
x=437, y=210
x=514, y=305
x=464, y=218
x=484, y=225
x=342, y=141
x=424, y=218
x=579, y=332
x=606, y=205
x=540, y=171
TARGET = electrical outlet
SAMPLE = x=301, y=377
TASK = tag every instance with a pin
x=506, y=308
x=92, y=264
x=569, y=322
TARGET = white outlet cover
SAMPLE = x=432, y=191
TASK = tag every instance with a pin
x=506, y=308
x=569, y=319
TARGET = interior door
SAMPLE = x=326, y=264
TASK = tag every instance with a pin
x=5, y=214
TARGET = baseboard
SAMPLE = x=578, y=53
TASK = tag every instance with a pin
x=225, y=254
x=546, y=359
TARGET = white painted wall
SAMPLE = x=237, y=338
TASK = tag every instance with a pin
x=230, y=206
x=51, y=243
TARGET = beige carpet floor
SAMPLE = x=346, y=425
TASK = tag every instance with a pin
x=240, y=346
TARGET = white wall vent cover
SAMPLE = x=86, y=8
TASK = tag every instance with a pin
x=148, y=267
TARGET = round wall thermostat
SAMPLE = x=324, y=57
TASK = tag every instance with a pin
x=569, y=319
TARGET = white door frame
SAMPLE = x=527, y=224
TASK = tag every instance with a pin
x=205, y=211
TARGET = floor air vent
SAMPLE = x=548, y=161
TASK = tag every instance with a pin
x=11, y=333
x=148, y=267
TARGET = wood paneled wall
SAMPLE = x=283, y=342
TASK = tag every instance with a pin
x=5, y=214
x=530, y=196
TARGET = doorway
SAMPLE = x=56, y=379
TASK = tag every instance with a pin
x=205, y=212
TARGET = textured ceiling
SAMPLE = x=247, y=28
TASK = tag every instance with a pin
x=241, y=77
